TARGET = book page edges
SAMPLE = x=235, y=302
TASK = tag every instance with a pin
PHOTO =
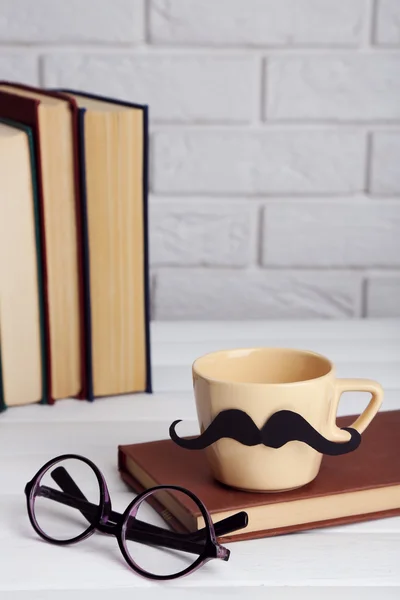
x=315, y=510
x=61, y=257
x=293, y=513
x=118, y=339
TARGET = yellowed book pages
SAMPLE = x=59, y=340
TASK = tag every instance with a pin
x=114, y=197
x=56, y=149
x=19, y=293
x=283, y=514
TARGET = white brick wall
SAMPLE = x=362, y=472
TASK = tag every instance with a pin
x=322, y=233
x=385, y=167
x=19, y=66
x=387, y=27
x=178, y=88
x=383, y=293
x=256, y=294
x=258, y=162
x=75, y=21
x=257, y=22
x=363, y=87
x=275, y=142
x=204, y=234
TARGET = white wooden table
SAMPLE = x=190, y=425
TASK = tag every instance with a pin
x=332, y=563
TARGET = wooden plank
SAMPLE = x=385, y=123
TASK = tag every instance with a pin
x=14, y=511
x=169, y=378
x=16, y=470
x=184, y=353
x=360, y=557
x=129, y=407
x=300, y=560
x=79, y=437
x=177, y=591
x=168, y=406
x=208, y=331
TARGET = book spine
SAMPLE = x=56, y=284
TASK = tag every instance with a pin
x=2, y=403
x=43, y=252
x=83, y=339
x=87, y=320
x=121, y=460
x=40, y=262
x=146, y=268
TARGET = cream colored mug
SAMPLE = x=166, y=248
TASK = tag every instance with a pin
x=260, y=382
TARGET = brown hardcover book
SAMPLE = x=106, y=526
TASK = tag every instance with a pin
x=53, y=119
x=359, y=486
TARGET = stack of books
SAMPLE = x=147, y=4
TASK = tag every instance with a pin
x=74, y=289
x=360, y=486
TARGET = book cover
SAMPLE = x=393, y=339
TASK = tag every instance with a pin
x=362, y=485
x=39, y=260
x=85, y=234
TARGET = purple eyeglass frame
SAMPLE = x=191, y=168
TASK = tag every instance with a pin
x=126, y=526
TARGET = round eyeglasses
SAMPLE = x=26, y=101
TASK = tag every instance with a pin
x=154, y=543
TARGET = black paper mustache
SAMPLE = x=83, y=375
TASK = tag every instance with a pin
x=282, y=427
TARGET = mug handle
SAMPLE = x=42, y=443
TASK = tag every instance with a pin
x=362, y=422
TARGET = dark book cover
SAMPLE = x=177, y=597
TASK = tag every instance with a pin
x=375, y=465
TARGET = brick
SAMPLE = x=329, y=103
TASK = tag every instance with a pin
x=387, y=32
x=201, y=234
x=255, y=294
x=383, y=296
x=21, y=67
x=177, y=88
x=258, y=162
x=72, y=21
x=257, y=22
x=385, y=171
x=352, y=87
x=363, y=233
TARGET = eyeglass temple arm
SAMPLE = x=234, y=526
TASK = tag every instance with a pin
x=229, y=524
x=137, y=530
x=233, y=523
x=68, y=485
